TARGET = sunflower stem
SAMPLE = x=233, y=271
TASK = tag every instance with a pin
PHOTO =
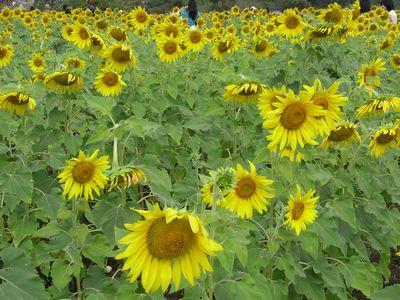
x=115, y=164
x=75, y=213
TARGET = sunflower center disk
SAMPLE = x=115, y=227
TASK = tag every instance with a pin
x=293, y=116
x=195, y=37
x=370, y=73
x=260, y=47
x=3, y=53
x=171, y=30
x=341, y=134
x=170, y=240
x=170, y=47
x=141, y=17
x=38, y=62
x=121, y=55
x=110, y=79
x=83, y=34
x=18, y=99
x=223, y=47
x=297, y=210
x=396, y=60
x=320, y=100
x=292, y=22
x=385, y=138
x=83, y=172
x=245, y=188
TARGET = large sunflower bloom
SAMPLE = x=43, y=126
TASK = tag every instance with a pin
x=291, y=24
x=119, y=57
x=195, y=40
x=243, y=92
x=385, y=139
x=80, y=36
x=371, y=70
x=251, y=191
x=293, y=121
x=17, y=102
x=108, y=83
x=6, y=54
x=301, y=210
x=169, y=49
x=63, y=82
x=83, y=175
x=139, y=17
x=224, y=46
x=36, y=63
x=165, y=245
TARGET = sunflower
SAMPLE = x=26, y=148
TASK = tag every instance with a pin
x=319, y=32
x=66, y=32
x=334, y=14
x=293, y=121
x=124, y=178
x=36, y=63
x=224, y=46
x=6, y=53
x=330, y=101
x=17, y=102
x=251, y=191
x=165, y=245
x=292, y=154
x=385, y=139
x=207, y=193
x=83, y=175
x=63, y=82
x=81, y=36
x=379, y=106
x=291, y=24
x=371, y=70
x=301, y=210
x=97, y=43
x=74, y=63
x=169, y=49
x=243, y=92
x=395, y=61
x=119, y=57
x=139, y=17
x=263, y=48
x=194, y=40
x=109, y=83
x=345, y=133
x=267, y=99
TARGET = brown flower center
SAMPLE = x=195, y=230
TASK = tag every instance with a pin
x=118, y=34
x=341, y=134
x=110, y=79
x=245, y=188
x=65, y=79
x=396, y=60
x=171, y=29
x=385, y=138
x=223, y=47
x=297, y=210
x=334, y=16
x=141, y=17
x=170, y=240
x=18, y=99
x=370, y=73
x=249, y=91
x=261, y=46
x=170, y=47
x=3, y=53
x=320, y=100
x=121, y=55
x=195, y=37
x=83, y=34
x=83, y=172
x=293, y=116
x=292, y=22
x=38, y=62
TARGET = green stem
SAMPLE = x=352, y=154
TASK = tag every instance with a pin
x=75, y=213
x=115, y=164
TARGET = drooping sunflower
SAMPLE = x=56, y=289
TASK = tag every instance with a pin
x=119, y=57
x=251, y=191
x=395, y=61
x=125, y=177
x=80, y=36
x=267, y=99
x=83, y=175
x=385, y=139
x=17, y=102
x=301, y=210
x=369, y=71
x=243, y=92
x=380, y=105
x=345, y=133
x=330, y=101
x=293, y=121
x=6, y=54
x=63, y=82
x=108, y=83
x=165, y=245
x=74, y=63
x=36, y=63
x=195, y=40
x=225, y=45
x=291, y=24
x=169, y=49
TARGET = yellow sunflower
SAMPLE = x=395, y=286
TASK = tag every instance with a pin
x=251, y=191
x=371, y=71
x=395, y=61
x=139, y=17
x=109, y=83
x=293, y=121
x=330, y=101
x=224, y=46
x=345, y=133
x=379, y=106
x=243, y=92
x=74, y=63
x=83, y=175
x=36, y=63
x=66, y=32
x=385, y=139
x=195, y=40
x=301, y=210
x=207, y=193
x=267, y=99
x=165, y=245
x=6, y=54
x=169, y=49
x=291, y=24
x=17, y=102
x=80, y=36
x=263, y=48
x=119, y=57
x=334, y=14
x=125, y=177
x=63, y=82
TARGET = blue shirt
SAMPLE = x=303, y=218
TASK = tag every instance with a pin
x=191, y=22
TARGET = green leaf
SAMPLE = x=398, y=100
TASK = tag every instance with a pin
x=388, y=293
x=159, y=180
x=344, y=209
x=175, y=132
x=97, y=248
x=61, y=273
x=103, y=105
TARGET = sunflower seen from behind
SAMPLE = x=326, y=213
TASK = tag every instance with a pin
x=108, y=83
x=164, y=246
x=17, y=103
x=84, y=174
x=251, y=191
x=301, y=210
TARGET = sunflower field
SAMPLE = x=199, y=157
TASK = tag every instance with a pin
x=255, y=156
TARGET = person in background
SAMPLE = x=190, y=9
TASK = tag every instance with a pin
x=389, y=6
x=66, y=9
x=91, y=6
x=191, y=13
x=365, y=6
